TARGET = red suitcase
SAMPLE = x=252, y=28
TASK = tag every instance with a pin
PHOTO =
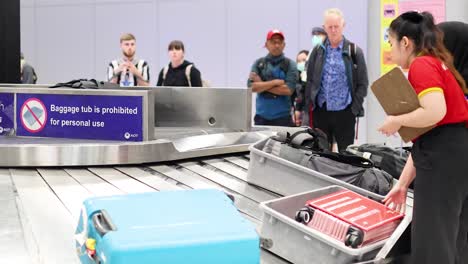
x=349, y=217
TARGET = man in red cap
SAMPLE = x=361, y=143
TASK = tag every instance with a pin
x=273, y=78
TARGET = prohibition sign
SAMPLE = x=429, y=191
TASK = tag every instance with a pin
x=33, y=115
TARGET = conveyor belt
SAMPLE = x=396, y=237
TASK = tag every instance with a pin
x=49, y=199
x=170, y=144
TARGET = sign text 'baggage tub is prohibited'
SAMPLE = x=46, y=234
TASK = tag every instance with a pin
x=80, y=116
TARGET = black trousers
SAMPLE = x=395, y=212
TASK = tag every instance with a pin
x=339, y=125
x=440, y=220
x=282, y=121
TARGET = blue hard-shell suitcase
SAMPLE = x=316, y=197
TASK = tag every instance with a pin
x=172, y=227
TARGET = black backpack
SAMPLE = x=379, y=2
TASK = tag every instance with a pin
x=86, y=84
x=391, y=160
x=261, y=66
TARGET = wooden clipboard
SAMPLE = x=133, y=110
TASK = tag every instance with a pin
x=396, y=96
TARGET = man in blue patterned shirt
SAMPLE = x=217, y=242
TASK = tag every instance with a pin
x=273, y=78
x=337, y=83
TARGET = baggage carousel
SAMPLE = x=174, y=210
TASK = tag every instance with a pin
x=42, y=194
x=41, y=206
x=169, y=144
x=44, y=180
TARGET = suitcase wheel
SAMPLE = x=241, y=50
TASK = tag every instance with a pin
x=266, y=243
x=354, y=237
x=304, y=215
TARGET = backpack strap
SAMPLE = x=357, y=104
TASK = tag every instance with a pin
x=140, y=65
x=261, y=65
x=297, y=139
x=188, y=70
x=165, y=71
x=115, y=65
x=346, y=158
x=282, y=137
x=310, y=139
x=34, y=76
x=354, y=149
x=284, y=66
x=352, y=52
x=354, y=75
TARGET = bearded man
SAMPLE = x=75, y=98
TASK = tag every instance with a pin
x=128, y=70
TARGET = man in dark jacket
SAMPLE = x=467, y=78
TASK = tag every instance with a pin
x=337, y=83
x=456, y=41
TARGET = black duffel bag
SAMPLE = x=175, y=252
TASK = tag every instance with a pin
x=349, y=168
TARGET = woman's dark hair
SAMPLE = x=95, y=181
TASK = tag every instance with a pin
x=176, y=44
x=306, y=52
x=427, y=38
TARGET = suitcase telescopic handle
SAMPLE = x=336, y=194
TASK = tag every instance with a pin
x=103, y=223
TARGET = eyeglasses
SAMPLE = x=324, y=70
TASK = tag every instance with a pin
x=412, y=16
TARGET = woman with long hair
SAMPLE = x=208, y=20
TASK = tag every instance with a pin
x=438, y=161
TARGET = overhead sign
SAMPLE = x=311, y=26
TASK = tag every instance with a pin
x=388, y=12
x=7, y=113
x=80, y=116
x=435, y=7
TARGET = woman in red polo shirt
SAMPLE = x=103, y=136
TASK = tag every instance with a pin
x=439, y=157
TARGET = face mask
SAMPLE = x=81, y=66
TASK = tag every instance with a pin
x=316, y=40
x=301, y=66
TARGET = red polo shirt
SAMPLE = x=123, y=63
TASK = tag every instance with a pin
x=428, y=74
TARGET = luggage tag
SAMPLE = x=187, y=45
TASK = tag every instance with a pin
x=91, y=248
x=86, y=246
